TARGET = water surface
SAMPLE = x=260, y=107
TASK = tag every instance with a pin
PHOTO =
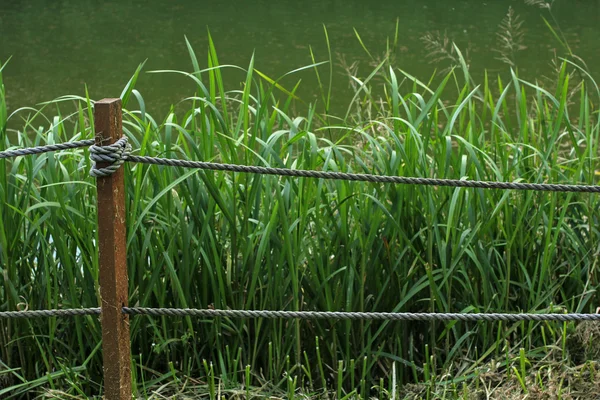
x=59, y=46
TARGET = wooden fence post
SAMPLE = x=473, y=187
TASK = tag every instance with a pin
x=112, y=250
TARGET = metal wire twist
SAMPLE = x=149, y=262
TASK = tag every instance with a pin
x=45, y=149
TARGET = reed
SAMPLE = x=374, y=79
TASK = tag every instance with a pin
x=203, y=239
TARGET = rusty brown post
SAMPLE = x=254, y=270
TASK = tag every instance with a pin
x=113, y=279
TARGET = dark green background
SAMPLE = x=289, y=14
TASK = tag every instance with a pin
x=58, y=46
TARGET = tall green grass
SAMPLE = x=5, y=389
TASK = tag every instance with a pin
x=236, y=241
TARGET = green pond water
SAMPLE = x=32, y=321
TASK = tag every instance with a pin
x=59, y=46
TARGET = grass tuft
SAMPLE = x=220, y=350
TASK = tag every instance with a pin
x=236, y=241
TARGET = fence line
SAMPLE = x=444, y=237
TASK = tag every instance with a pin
x=547, y=187
x=120, y=152
x=65, y=312
x=110, y=150
x=278, y=314
x=115, y=155
x=45, y=149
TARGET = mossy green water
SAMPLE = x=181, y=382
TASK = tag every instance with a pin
x=58, y=46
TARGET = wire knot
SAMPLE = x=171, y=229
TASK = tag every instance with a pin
x=115, y=154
